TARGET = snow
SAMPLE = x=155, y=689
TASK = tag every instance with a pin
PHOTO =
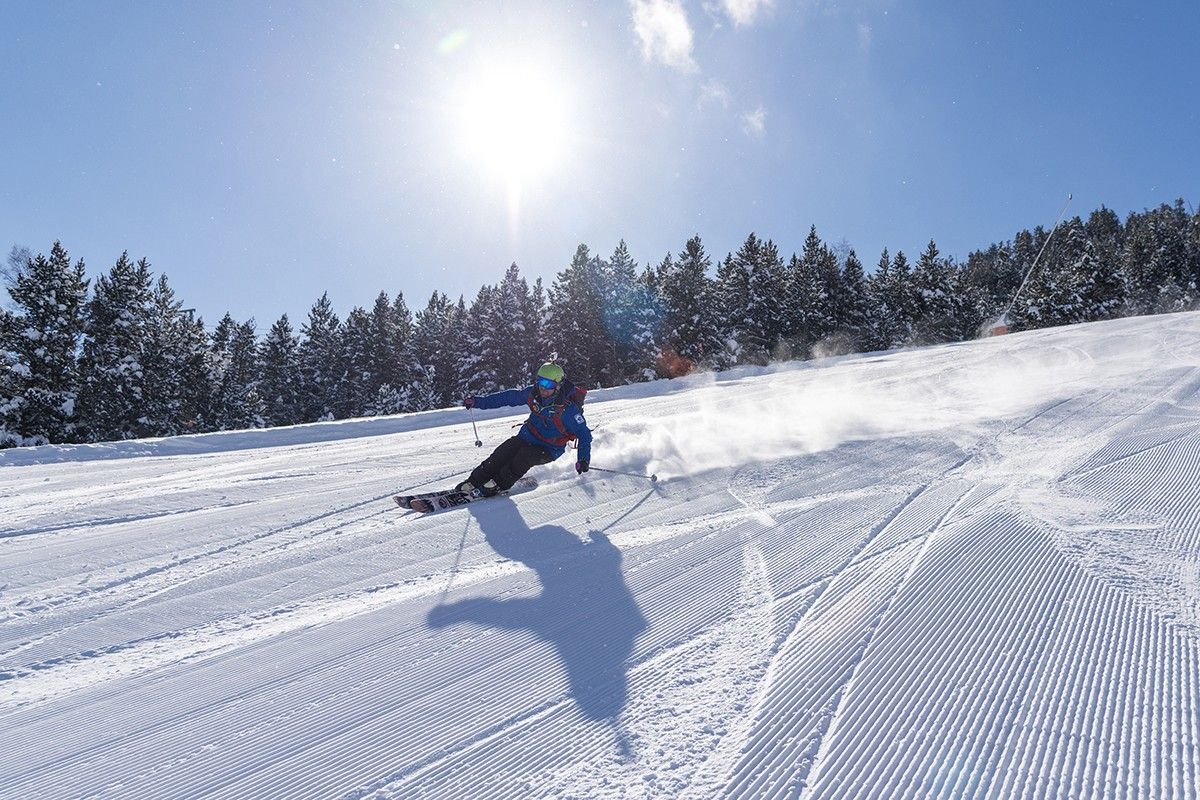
x=967, y=570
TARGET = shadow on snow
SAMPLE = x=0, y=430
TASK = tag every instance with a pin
x=585, y=609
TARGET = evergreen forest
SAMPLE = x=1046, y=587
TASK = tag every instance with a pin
x=121, y=357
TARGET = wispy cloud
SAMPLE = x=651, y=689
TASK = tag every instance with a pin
x=755, y=123
x=745, y=12
x=713, y=92
x=666, y=36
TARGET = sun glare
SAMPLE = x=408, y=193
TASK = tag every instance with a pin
x=515, y=122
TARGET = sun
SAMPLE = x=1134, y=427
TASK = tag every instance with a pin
x=515, y=121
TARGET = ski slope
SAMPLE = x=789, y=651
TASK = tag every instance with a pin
x=962, y=571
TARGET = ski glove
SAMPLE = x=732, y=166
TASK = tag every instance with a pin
x=581, y=466
x=468, y=402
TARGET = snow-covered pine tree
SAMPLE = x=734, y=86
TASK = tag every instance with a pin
x=399, y=371
x=245, y=408
x=320, y=360
x=514, y=324
x=902, y=300
x=1171, y=228
x=174, y=366
x=439, y=341
x=733, y=299
x=624, y=302
x=990, y=278
x=855, y=304
x=480, y=362
x=1107, y=235
x=1048, y=296
x=39, y=342
x=647, y=326
x=236, y=403
x=112, y=391
x=1156, y=263
x=360, y=379
x=574, y=324
x=691, y=325
x=768, y=284
x=12, y=395
x=1096, y=283
x=810, y=314
x=279, y=355
x=390, y=328
x=1193, y=242
x=879, y=320
x=934, y=321
x=759, y=319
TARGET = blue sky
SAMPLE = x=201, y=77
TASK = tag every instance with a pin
x=261, y=154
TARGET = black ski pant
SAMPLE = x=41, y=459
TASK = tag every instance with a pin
x=512, y=459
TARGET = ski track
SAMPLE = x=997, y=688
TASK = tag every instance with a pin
x=990, y=594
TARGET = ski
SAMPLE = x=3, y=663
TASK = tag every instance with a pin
x=452, y=498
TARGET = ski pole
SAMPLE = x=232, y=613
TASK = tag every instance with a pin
x=651, y=478
x=477, y=442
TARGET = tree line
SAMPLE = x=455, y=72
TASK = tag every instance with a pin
x=122, y=358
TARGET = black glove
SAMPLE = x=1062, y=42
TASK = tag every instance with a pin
x=581, y=466
x=468, y=402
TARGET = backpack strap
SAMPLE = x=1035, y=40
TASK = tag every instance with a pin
x=555, y=417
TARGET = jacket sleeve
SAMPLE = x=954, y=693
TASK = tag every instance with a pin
x=574, y=422
x=510, y=397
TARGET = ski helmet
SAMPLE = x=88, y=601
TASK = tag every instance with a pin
x=551, y=372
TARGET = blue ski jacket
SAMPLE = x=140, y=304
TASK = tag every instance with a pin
x=552, y=422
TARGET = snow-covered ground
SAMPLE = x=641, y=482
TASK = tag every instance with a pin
x=963, y=571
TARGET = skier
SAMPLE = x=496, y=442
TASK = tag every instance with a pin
x=555, y=418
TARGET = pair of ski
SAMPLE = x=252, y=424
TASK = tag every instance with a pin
x=430, y=502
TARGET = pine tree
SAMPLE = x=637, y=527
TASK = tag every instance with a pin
x=1107, y=237
x=1194, y=251
x=733, y=300
x=1156, y=262
x=902, y=299
x=39, y=343
x=855, y=304
x=574, y=325
x=361, y=377
x=1036, y=306
x=514, y=331
x=12, y=390
x=879, y=329
x=623, y=302
x=389, y=331
x=757, y=274
x=174, y=366
x=481, y=361
x=1097, y=284
x=802, y=296
x=243, y=406
x=321, y=368
x=932, y=281
x=401, y=372
x=691, y=325
x=813, y=289
x=439, y=341
x=991, y=278
x=647, y=326
x=279, y=354
x=119, y=315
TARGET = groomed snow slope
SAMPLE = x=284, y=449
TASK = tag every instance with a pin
x=963, y=571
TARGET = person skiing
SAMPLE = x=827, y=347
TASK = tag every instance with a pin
x=555, y=418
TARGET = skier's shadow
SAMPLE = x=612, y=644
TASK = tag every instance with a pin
x=585, y=610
